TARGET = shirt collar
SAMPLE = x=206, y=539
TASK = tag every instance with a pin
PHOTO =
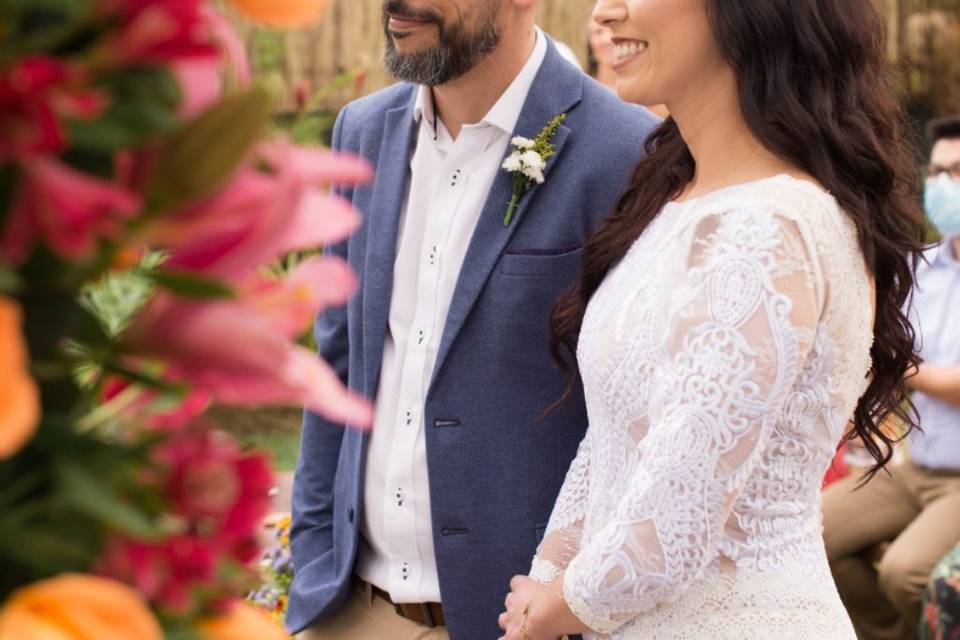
x=506, y=111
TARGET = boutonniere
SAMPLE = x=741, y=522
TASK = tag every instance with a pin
x=527, y=162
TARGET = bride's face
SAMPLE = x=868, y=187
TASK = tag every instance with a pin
x=664, y=48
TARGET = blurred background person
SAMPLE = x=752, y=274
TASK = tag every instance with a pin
x=567, y=53
x=600, y=61
x=916, y=506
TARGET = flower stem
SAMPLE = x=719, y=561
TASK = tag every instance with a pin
x=514, y=199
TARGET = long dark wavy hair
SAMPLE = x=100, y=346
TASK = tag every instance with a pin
x=816, y=91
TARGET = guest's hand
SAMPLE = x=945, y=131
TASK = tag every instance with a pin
x=537, y=611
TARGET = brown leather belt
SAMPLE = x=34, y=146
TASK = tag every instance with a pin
x=429, y=614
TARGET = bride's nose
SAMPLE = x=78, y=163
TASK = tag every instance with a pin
x=609, y=12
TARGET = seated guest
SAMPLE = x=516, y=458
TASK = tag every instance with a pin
x=941, y=602
x=916, y=506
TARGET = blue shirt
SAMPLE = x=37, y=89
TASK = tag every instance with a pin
x=936, y=319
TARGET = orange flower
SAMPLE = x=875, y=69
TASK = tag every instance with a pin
x=19, y=398
x=242, y=621
x=77, y=607
x=283, y=13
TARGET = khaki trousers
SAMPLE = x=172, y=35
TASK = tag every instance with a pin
x=917, y=511
x=368, y=617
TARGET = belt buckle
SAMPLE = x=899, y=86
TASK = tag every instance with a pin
x=428, y=620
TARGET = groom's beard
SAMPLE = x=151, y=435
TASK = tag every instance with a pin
x=458, y=50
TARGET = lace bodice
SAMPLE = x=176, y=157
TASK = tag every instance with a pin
x=721, y=361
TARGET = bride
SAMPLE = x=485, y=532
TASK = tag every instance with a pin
x=736, y=310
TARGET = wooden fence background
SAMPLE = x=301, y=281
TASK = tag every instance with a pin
x=350, y=40
x=925, y=45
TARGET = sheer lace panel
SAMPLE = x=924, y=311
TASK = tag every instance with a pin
x=740, y=327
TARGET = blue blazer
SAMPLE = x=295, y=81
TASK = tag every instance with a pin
x=495, y=469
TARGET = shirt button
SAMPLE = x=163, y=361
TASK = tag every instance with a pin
x=400, y=497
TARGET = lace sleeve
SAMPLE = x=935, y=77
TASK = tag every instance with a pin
x=743, y=311
x=562, y=539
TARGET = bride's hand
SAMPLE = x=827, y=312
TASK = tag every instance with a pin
x=537, y=611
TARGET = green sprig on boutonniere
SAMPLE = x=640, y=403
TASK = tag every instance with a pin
x=528, y=161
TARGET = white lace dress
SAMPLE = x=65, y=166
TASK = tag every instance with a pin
x=721, y=360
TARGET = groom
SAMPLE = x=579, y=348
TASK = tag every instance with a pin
x=414, y=530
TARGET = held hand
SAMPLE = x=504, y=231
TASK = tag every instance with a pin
x=537, y=611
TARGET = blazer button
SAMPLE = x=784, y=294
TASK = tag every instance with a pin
x=350, y=514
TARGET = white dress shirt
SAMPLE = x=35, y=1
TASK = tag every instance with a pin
x=450, y=181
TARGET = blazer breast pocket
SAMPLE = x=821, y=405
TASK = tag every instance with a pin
x=546, y=262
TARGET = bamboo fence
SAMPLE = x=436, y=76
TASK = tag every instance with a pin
x=924, y=41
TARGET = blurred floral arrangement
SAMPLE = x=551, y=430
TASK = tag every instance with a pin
x=128, y=155
x=276, y=568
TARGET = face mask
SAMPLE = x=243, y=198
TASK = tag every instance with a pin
x=941, y=199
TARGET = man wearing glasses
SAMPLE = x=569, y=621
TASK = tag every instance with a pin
x=916, y=506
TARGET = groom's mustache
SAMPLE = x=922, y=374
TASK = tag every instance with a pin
x=400, y=9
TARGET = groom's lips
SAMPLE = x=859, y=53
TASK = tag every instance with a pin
x=404, y=24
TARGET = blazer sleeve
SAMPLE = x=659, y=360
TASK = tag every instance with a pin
x=312, y=529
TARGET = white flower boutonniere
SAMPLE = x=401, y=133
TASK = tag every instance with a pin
x=528, y=161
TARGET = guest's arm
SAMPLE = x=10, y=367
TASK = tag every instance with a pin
x=940, y=382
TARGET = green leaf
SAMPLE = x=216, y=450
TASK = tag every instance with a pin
x=19, y=488
x=81, y=489
x=190, y=285
x=144, y=378
x=10, y=280
x=41, y=26
x=45, y=551
x=144, y=103
x=117, y=296
x=201, y=157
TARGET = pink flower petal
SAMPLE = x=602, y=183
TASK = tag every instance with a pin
x=320, y=220
x=237, y=355
x=200, y=83
x=66, y=209
x=325, y=394
x=235, y=52
x=292, y=303
x=317, y=165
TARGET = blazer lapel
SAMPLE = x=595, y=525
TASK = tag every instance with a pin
x=387, y=200
x=557, y=88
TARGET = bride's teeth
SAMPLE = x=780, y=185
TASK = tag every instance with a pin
x=629, y=49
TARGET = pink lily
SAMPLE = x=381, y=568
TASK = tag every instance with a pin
x=259, y=216
x=291, y=303
x=201, y=78
x=64, y=208
x=200, y=83
x=240, y=351
x=35, y=94
x=159, y=31
x=189, y=36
